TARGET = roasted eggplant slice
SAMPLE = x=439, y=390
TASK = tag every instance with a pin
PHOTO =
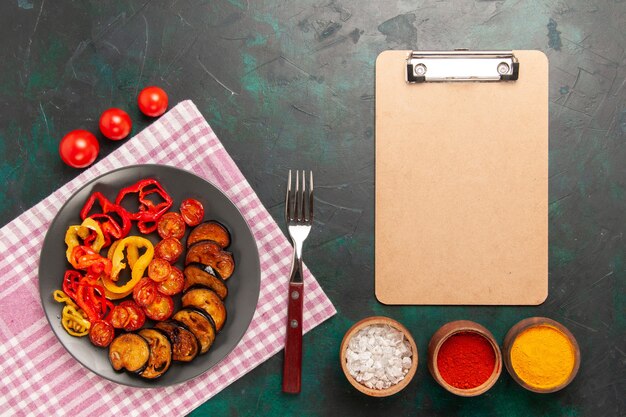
x=160, y=353
x=211, y=230
x=211, y=254
x=207, y=301
x=129, y=351
x=185, y=346
x=201, y=325
x=198, y=274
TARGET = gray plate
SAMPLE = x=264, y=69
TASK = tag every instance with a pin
x=243, y=286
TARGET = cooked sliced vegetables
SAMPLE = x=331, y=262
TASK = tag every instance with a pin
x=160, y=353
x=150, y=289
x=145, y=292
x=129, y=351
x=161, y=308
x=136, y=318
x=185, y=345
x=210, y=253
x=159, y=269
x=60, y=297
x=171, y=225
x=83, y=231
x=101, y=333
x=138, y=268
x=192, y=211
x=73, y=319
x=119, y=317
x=198, y=274
x=169, y=249
x=174, y=283
x=211, y=230
x=199, y=324
x=207, y=301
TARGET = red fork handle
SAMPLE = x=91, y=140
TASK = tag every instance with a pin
x=292, y=366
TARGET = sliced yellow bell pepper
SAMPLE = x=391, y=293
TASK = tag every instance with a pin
x=112, y=249
x=132, y=253
x=60, y=297
x=115, y=296
x=74, y=320
x=81, y=231
x=137, y=269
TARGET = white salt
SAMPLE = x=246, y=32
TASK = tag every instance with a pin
x=378, y=356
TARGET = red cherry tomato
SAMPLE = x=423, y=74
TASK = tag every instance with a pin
x=115, y=124
x=101, y=333
x=161, y=308
x=169, y=249
x=159, y=269
x=171, y=224
x=152, y=101
x=192, y=211
x=79, y=148
x=137, y=316
x=144, y=292
x=173, y=284
x=119, y=317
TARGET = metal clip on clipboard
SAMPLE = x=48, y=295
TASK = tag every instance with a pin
x=461, y=65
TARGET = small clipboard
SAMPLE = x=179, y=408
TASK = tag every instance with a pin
x=461, y=177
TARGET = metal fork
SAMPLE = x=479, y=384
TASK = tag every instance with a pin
x=299, y=218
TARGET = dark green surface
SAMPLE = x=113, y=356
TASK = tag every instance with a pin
x=290, y=85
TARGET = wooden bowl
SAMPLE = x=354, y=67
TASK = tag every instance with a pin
x=344, y=346
x=524, y=325
x=462, y=326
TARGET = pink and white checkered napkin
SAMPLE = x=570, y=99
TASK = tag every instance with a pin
x=38, y=376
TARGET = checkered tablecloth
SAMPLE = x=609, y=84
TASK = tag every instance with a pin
x=39, y=377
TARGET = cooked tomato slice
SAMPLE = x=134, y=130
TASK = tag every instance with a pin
x=159, y=269
x=169, y=249
x=144, y=292
x=161, y=308
x=137, y=316
x=171, y=224
x=101, y=333
x=174, y=283
x=119, y=317
x=192, y=211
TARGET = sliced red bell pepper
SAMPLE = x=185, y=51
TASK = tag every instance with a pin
x=148, y=211
x=87, y=295
x=110, y=227
x=70, y=283
x=91, y=237
x=146, y=227
x=87, y=259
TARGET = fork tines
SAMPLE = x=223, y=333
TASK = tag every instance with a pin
x=299, y=201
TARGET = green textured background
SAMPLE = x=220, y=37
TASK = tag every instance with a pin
x=290, y=84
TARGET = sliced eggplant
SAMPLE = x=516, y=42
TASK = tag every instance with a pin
x=200, y=324
x=211, y=230
x=211, y=254
x=207, y=301
x=160, y=353
x=198, y=274
x=185, y=346
x=129, y=351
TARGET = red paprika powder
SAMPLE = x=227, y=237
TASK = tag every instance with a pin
x=466, y=360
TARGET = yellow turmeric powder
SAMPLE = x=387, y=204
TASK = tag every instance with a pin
x=543, y=357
